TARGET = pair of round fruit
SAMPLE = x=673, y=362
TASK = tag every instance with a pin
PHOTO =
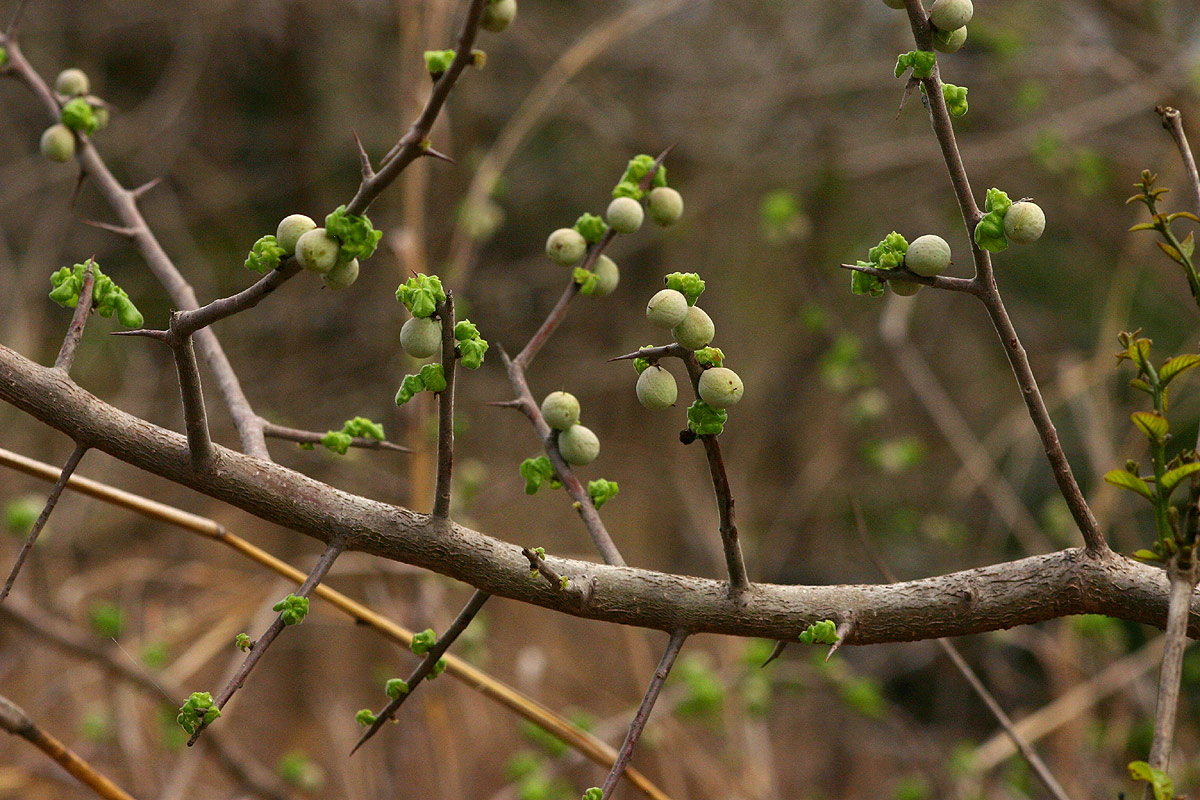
x=690, y=326
x=316, y=251
x=719, y=387
x=58, y=141
x=566, y=246
x=577, y=444
x=950, y=18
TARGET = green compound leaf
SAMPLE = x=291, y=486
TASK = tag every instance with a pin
x=688, y=283
x=956, y=99
x=586, y=280
x=1172, y=478
x=107, y=297
x=591, y=227
x=989, y=232
x=1159, y=781
x=1127, y=480
x=365, y=717
x=423, y=642
x=1176, y=366
x=919, y=61
x=292, y=609
x=356, y=234
x=862, y=283
x=265, y=255
x=198, y=710
x=421, y=294
x=1151, y=423
x=78, y=115
x=823, y=632
x=601, y=491
x=471, y=346
x=438, y=61
x=243, y=642
x=704, y=420
x=537, y=471
x=639, y=167
x=710, y=356
x=395, y=687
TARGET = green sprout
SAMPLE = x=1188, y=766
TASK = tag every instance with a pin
x=292, y=609
x=537, y=471
x=365, y=717
x=471, y=346
x=423, y=642
x=1160, y=782
x=78, y=115
x=601, y=491
x=639, y=167
x=243, y=642
x=689, y=284
x=395, y=687
x=1178, y=250
x=710, y=356
x=591, y=227
x=989, y=232
x=919, y=61
x=107, y=297
x=823, y=632
x=421, y=294
x=339, y=441
x=956, y=99
x=704, y=420
x=265, y=255
x=437, y=669
x=198, y=711
x=357, y=236
x=431, y=378
x=437, y=62
x=888, y=254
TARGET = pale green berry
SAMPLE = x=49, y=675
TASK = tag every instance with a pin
x=904, y=288
x=1024, y=222
x=72, y=82
x=950, y=15
x=578, y=445
x=625, y=214
x=290, y=229
x=317, y=251
x=696, y=330
x=342, y=275
x=894, y=3
x=560, y=410
x=665, y=205
x=58, y=143
x=667, y=308
x=950, y=41
x=928, y=255
x=498, y=15
x=656, y=388
x=421, y=337
x=566, y=246
x=607, y=276
x=720, y=387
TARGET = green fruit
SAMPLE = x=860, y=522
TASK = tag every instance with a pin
x=928, y=255
x=317, y=251
x=665, y=205
x=1024, y=222
x=950, y=15
x=342, y=275
x=667, y=308
x=656, y=388
x=720, y=387
x=58, y=143
x=950, y=41
x=696, y=330
x=904, y=288
x=625, y=215
x=561, y=410
x=566, y=246
x=578, y=445
x=72, y=82
x=498, y=15
x=607, y=276
x=290, y=229
x=421, y=337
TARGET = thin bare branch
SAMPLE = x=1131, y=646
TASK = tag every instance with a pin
x=124, y=231
x=947, y=282
x=189, y=322
x=562, y=583
x=1172, y=120
x=144, y=189
x=273, y=431
x=445, y=440
x=66, y=353
x=195, y=417
x=1183, y=582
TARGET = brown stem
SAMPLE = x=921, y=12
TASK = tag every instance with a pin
x=556, y=580
x=66, y=354
x=1172, y=120
x=948, y=282
x=549, y=325
x=643, y=713
x=195, y=418
x=51, y=501
x=273, y=431
x=445, y=441
x=189, y=322
x=1183, y=582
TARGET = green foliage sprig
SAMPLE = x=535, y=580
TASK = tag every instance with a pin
x=591, y=227
x=689, y=284
x=243, y=642
x=421, y=294
x=107, y=297
x=292, y=609
x=956, y=99
x=357, y=236
x=339, y=441
x=395, y=687
x=431, y=378
x=1178, y=250
x=537, y=471
x=823, y=632
x=198, y=710
x=989, y=232
x=710, y=357
x=423, y=642
x=265, y=255
x=919, y=61
x=78, y=115
x=888, y=254
x=471, y=346
x=1160, y=782
x=437, y=62
x=704, y=420
x=601, y=491
x=639, y=167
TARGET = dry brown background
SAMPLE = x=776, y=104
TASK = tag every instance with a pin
x=246, y=110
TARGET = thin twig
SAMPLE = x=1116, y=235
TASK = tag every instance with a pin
x=51, y=501
x=195, y=417
x=273, y=431
x=332, y=551
x=66, y=354
x=557, y=581
x=643, y=713
x=189, y=322
x=1183, y=582
x=445, y=440
x=435, y=653
x=124, y=231
x=14, y=720
x=947, y=282
x=1172, y=120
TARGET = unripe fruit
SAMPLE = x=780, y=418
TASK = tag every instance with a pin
x=58, y=143
x=656, y=388
x=625, y=214
x=904, y=288
x=317, y=251
x=498, y=15
x=561, y=410
x=421, y=337
x=950, y=41
x=342, y=275
x=696, y=330
x=667, y=308
x=665, y=205
x=928, y=255
x=607, y=276
x=950, y=15
x=1024, y=222
x=566, y=246
x=720, y=387
x=72, y=82
x=290, y=229
x=578, y=445
x=894, y=3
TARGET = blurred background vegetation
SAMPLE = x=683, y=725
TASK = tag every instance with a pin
x=792, y=159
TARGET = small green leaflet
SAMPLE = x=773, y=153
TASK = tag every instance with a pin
x=1153, y=425
x=1177, y=365
x=1127, y=480
x=1160, y=782
x=1172, y=478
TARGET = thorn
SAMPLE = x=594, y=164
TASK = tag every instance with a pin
x=368, y=172
x=140, y=191
x=159, y=336
x=776, y=653
x=78, y=187
x=119, y=230
x=506, y=403
x=626, y=357
x=429, y=151
x=844, y=630
x=385, y=445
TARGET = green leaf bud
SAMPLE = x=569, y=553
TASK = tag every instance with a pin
x=949, y=15
x=337, y=442
x=437, y=669
x=561, y=410
x=58, y=143
x=919, y=61
x=72, y=82
x=411, y=386
x=640, y=365
x=498, y=15
x=578, y=445
x=928, y=255
x=421, y=294
x=292, y=609
x=904, y=288
x=361, y=426
x=438, y=61
x=472, y=352
x=196, y=711
x=667, y=308
x=243, y=642
x=704, y=420
x=949, y=41
x=365, y=717
x=566, y=246
x=343, y=274
x=290, y=229
x=596, y=793
x=317, y=251
x=100, y=109
x=625, y=214
x=989, y=231
x=656, y=388
x=696, y=330
x=423, y=642
x=395, y=687
x=956, y=99
x=586, y=280
x=537, y=471
x=465, y=330
x=1024, y=222
x=689, y=284
x=355, y=234
x=434, y=377
x=265, y=255
x=710, y=356
x=591, y=227
x=78, y=115
x=607, y=276
x=421, y=337
x=720, y=387
x=665, y=205
x=601, y=491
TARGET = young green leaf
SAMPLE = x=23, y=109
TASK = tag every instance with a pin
x=919, y=61
x=1153, y=424
x=265, y=255
x=1159, y=781
x=689, y=284
x=1172, y=478
x=601, y=491
x=704, y=420
x=536, y=471
x=423, y=642
x=1176, y=366
x=1127, y=480
x=421, y=294
x=292, y=609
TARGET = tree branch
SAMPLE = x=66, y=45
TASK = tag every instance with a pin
x=66, y=354
x=273, y=431
x=1182, y=582
x=445, y=440
x=1172, y=120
